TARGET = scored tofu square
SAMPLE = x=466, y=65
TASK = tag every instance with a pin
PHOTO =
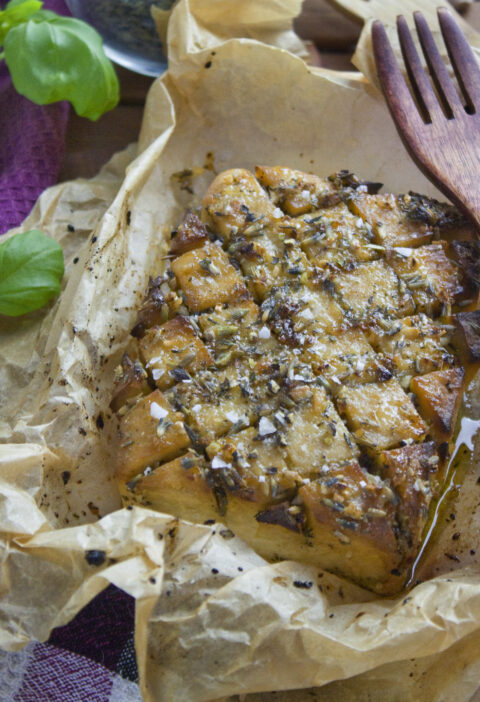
x=235, y=201
x=413, y=474
x=212, y=405
x=371, y=292
x=296, y=192
x=345, y=356
x=416, y=345
x=228, y=326
x=252, y=466
x=429, y=274
x=380, y=415
x=171, y=348
x=150, y=431
x=180, y=487
x=265, y=269
x=439, y=395
x=207, y=278
x=230, y=399
x=387, y=216
x=352, y=515
x=336, y=236
x=294, y=314
x=316, y=435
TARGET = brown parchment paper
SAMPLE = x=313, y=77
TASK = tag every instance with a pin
x=246, y=630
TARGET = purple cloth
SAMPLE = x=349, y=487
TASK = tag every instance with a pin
x=32, y=143
x=103, y=632
x=91, y=659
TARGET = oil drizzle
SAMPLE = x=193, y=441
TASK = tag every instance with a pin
x=457, y=465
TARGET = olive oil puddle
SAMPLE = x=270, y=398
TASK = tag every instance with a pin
x=457, y=466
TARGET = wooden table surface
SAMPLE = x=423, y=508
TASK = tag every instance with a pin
x=89, y=145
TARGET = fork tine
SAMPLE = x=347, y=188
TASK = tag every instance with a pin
x=443, y=83
x=420, y=82
x=398, y=96
x=462, y=59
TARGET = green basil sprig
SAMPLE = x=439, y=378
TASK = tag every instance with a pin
x=52, y=58
x=31, y=270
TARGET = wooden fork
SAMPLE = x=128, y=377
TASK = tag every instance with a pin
x=440, y=129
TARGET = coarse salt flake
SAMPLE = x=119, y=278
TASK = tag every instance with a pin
x=306, y=313
x=277, y=213
x=403, y=251
x=361, y=363
x=158, y=412
x=157, y=373
x=232, y=417
x=266, y=427
x=218, y=462
x=264, y=333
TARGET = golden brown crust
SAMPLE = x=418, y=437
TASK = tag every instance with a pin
x=190, y=234
x=439, y=395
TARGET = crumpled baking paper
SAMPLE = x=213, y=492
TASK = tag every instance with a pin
x=214, y=621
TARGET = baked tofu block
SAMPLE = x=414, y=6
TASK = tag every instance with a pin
x=393, y=219
x=439, y=395
x=131, y=382
x=336, y=237
x=180, y=487
x=380, y=415
x=296, y=192
x=416, y=345
x=345, y=357
x=294, y=313
x=189, y=235
x=432, y=278
x=372, y=294
x=207, y=278
x=173, y=350
x=352, y=520
x=413, y=472
x=151, y=431
x=314, y=434
x=235, y=201
x=467, y=335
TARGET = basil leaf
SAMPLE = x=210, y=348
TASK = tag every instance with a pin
x=31, y=268
x=17, y=11
x=16, y=3
x=62, y=59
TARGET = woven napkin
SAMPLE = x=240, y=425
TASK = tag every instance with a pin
x=32, y=143
x=91, y=659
